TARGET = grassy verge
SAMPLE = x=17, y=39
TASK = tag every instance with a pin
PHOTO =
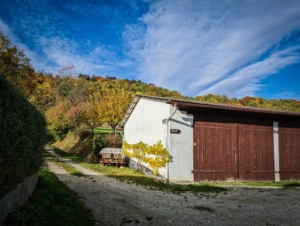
x=52, y=203
x=105, y=130
x=132, y=176
x=70, y=169
x=284, y=184
x=64, y=154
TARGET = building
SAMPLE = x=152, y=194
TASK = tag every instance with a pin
x=217, y=142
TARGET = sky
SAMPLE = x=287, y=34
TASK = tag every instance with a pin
x=233, y=47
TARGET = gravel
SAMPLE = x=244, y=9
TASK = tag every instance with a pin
x=118, y=203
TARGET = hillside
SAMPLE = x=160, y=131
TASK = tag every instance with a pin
x=72, y=102
x=78, y=103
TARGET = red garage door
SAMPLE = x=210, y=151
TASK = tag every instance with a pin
x=255, y=150
x=214, y=140
x=289, y=151
x=232, y=148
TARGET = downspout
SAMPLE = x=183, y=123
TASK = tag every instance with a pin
x=122, y=135
x=123, y=139
x=166, y=121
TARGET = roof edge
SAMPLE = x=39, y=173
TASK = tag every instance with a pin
x=134, y=102
x=202, y=104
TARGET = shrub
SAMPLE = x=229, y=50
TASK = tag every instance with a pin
x=99, y=142
x=59, y=124
x=22, y=140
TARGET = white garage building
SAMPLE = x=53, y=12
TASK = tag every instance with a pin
x=150, y=119
x=217, y=142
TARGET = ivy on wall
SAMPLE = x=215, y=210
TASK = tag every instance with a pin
x=155, y=156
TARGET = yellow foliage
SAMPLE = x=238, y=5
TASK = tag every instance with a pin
x=112, y=104
x=43, y=95
x=155, y=155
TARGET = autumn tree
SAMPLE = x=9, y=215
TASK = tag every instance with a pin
x=89, y=114
x=59, y=119
x=15, y=67
x=44, y=94
x=112, y=105
x=75, y=90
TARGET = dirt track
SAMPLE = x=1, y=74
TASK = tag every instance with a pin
x=119, y=203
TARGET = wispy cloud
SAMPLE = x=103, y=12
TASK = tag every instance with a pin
x=5, y=29
x=58, y=34
x=246, y=80
x=61, y=52
x=194, y=45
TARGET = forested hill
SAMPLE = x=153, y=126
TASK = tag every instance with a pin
x=151, y=89
x=84, y=102
x=137, y=86
x=279, y=104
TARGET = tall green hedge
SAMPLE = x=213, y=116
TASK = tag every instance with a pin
x=22, y=137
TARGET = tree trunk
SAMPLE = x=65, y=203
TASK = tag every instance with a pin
x=75, y=118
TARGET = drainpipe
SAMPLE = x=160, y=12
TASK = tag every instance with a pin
x=166, y=121
x=122, y=135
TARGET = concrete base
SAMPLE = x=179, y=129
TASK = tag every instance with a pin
x=16, y=197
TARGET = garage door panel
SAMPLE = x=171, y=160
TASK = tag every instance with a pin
x=214, y=157
x=289, y=152
x=256, y=152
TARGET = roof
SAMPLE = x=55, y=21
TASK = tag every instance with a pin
x=200, y=104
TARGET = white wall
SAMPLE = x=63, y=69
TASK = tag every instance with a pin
x=145, y=123
x=181, y=147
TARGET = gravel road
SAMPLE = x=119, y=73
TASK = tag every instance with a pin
x=118, y=203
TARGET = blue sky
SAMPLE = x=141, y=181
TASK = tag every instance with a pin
x=232, y=47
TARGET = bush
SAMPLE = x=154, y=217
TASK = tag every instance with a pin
x=99, y=142
x=22, y=140
x=58, y=123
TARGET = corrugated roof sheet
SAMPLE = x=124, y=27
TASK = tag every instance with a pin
x=202, y=104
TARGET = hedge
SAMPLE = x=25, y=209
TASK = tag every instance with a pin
x=22, y=137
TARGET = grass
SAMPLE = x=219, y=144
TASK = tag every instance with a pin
x=284, y=184
x=134, y=177
x=105, y=130
x=64, y=154
x=70, y=169
x=52, y=203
